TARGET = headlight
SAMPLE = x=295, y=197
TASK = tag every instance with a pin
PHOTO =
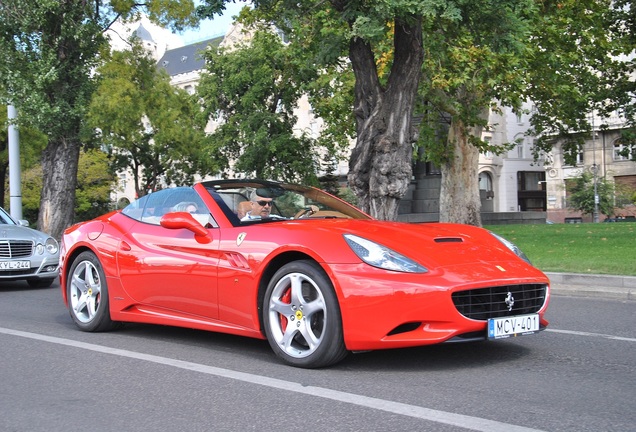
x=380, y=256
x=51, y=245
x=513, y=247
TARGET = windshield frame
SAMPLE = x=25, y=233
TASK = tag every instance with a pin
x=289, y=200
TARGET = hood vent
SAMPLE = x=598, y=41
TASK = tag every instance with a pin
x=449, y=240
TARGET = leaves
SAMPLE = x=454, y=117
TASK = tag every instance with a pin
x=252, y=91
x=150, y=127
x=581, y=194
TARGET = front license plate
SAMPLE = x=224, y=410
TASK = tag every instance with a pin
x=14, y=265
x=499, y=328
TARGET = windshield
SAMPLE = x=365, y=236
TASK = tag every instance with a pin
x=5, y=219
x=252, y=201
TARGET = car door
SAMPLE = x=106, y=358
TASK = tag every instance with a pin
x=168, y=269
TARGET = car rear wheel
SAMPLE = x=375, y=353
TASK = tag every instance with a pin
x=301, y=316
x=87, y=294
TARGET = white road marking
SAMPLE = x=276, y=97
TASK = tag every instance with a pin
x=580, y=333
x=459, y=420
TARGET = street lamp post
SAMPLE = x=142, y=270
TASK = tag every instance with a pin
x=594, y=172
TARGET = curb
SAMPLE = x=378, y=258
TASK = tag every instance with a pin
x=593, y=285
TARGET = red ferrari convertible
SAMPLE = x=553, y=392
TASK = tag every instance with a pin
x=303, y=269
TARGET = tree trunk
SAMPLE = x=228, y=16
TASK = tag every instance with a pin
x=380, y=168
x=459, y=200
x=57, y=205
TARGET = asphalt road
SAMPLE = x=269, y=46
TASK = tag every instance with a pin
x=579, y=375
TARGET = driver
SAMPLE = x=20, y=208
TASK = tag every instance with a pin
x=261, y=207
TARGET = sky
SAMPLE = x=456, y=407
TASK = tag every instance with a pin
x=212, y=28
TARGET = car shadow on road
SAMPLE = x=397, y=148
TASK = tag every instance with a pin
x=21, y=285
x=442, y=357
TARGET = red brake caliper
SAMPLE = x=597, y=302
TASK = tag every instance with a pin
x=285, y=298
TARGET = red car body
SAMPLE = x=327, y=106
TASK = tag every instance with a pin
x=215, y=275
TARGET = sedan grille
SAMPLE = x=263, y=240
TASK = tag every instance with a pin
x=500, y=301
x=15, y=248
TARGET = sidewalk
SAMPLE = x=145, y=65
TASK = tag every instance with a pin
x=593, y=285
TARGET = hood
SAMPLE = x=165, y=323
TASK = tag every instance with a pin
x=16, y=232
x=431, y=244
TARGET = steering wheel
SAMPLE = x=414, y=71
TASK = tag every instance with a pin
x=306, y=212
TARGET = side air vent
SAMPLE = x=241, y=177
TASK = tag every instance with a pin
x=405, y=328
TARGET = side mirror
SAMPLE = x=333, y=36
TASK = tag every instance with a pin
x=178, y=220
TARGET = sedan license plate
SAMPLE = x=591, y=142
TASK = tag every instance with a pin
x=14, y=265
x=499, y=328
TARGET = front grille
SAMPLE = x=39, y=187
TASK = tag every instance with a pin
x=15, y=248
x=485, y=303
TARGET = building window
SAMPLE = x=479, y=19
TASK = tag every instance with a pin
x=485, y=181
x=531, y=195
x=488, y=154
x=621, y=151
x=573, y=158
x=485, y=186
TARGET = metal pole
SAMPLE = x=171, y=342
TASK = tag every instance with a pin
x=594, y=171
x=15, y=186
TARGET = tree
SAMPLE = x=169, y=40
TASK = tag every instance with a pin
x=471, y=69
x=464, y=54
x=50, y=49
x=581, y=196
x=94, y=183
x=95, y=179
x=251, y=90
x=582, y=69
x=148, y=125
x=380, y=166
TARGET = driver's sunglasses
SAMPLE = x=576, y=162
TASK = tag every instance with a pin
x=264, y=203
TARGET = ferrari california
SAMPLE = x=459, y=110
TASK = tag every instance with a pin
x=26, y=254
x=313, y=275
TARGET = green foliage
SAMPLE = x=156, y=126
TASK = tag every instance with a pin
x=95, y=182
x=148, y=126
x=347, y=195
x=50, y=50
x=580, y=66
x=252, y=90
x=31, y=191
x=48, y=53
x=581, y=195
x=468, y=64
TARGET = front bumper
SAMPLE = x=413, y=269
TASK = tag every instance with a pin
x=382, y=309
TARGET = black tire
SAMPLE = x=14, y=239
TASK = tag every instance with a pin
x=87, y=294
x=301, y=295
x=40, y=283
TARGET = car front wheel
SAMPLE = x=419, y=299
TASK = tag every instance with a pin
x=87, y=294
x=301, y=316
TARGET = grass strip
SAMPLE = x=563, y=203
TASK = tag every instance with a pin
x=601, y=248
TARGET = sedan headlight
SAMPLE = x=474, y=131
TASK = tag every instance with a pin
x=50, y=246
x=382, y=257
x=513, y=247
